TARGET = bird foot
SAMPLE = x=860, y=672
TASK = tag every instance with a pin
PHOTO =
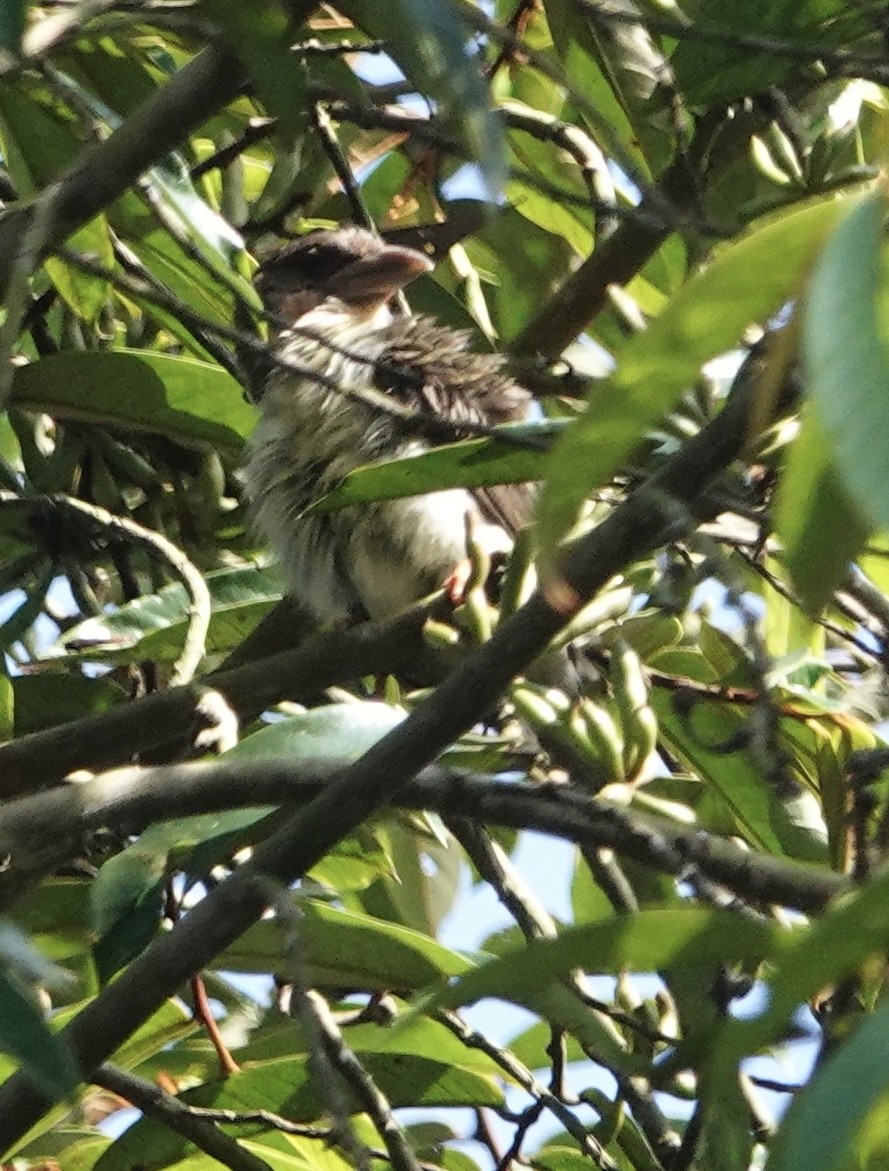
x=457, y=581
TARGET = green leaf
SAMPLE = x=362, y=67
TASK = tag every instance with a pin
x=348, y=950
x=181, y=397
x=420, y=885
x=285, y=1086
x=702, y=320
x=469, y=464
x=8, y=712
x=416, y=1036
x=846, y=353
x=521, y=265
x=650, y=941
x=84, y=293
x=127, y=904
x=38, y=144
x=46, y=1058
x=154, y=626
x=186, y=213
x=194, y=282
x=821, y=528
x=338, y=733
x=740, y=799
x=717, y=73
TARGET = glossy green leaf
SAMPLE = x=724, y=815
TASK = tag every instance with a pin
x=846, y=353
x=703, y=319
x=341, y=731
x=154, y=626
x=186, y=214
x=337, y=734
x=180, y=397
x=469, y=464
x=350, y=950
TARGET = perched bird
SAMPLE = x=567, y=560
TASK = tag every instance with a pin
x=334, y=290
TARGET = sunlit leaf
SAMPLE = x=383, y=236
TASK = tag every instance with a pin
x=651, y=940
x=469, y=464
x=86, y=294
x=154, y=626
x=180, y=397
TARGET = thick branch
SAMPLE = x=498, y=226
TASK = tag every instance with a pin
x=46, y=825
x=172, y=717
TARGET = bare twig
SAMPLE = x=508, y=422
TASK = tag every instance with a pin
x=171, y=1112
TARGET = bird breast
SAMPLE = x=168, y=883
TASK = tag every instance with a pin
x=375, y=558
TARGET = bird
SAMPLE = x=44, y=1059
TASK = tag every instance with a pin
x=356, y=384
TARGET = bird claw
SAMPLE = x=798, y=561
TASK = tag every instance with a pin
x=457, y=581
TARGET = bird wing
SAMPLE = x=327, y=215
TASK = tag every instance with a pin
x=429, y=367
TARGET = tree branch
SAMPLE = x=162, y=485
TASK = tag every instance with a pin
x=43, y=831
x=170, y=1112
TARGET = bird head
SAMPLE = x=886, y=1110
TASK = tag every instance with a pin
x=349, y=264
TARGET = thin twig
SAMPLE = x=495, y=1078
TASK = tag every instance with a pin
x=539, y=1092
x=171, y=1112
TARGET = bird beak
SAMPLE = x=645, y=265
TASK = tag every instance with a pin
x=376, y=279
